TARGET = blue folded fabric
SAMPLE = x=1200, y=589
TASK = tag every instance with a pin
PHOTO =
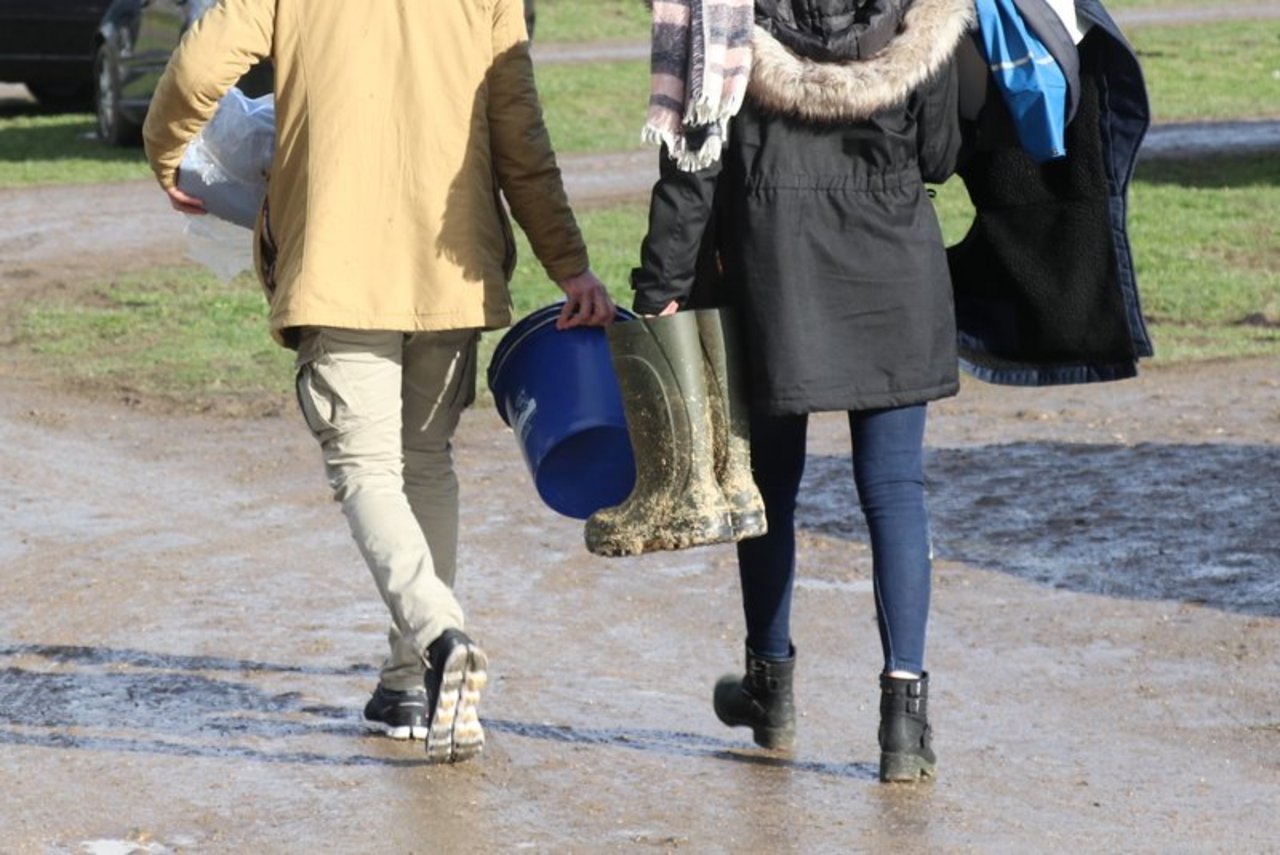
x=1030, y=79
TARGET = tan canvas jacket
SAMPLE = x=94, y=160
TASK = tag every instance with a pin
x=397, y=125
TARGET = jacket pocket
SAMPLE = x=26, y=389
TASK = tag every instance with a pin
x=508, y=236
x=265, y=252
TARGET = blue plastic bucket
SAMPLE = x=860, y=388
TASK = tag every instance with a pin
x=556, y=389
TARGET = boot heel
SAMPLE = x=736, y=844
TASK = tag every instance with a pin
x=774, y=738
x=760, y=699
x=906, y=751
x=901, y=767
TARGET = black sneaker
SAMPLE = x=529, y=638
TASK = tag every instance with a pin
x=403, y=713
x=456, y=673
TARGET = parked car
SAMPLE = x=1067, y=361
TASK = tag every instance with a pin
x=134, y=42
x=48, y=45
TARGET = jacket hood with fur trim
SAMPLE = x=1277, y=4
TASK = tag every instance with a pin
x=786, y=81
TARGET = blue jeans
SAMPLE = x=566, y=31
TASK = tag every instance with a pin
x=888, y=470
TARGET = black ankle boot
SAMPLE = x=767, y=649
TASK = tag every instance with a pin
x=905, y=752
x=761, y=699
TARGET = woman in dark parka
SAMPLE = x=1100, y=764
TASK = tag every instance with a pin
x=817, y=227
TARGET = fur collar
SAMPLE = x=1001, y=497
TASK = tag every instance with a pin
x=782, y=82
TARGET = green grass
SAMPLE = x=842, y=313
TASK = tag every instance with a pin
x=61, y=149
x=1115, y=6
x=597, y=111
x=1206, y=241
x=1203, y=233
x=591, y=20
x=177, y=334
x=1204, y=236
x=183, y=336
x=1206, y=71
x=1228, y=70
x=613, y=235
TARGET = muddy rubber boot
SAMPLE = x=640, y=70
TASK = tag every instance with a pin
x=727, y=391
x=905, y=735
x=676, y=502
x=761, y=699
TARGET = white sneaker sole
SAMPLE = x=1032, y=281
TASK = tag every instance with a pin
x=406, y=732
x=455, y=733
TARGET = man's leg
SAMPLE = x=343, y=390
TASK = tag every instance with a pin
x=438, y=384
x=349, y=387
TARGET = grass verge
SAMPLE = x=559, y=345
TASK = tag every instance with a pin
x=1204, y=236
x=1210, y=71
x=177, y=335
x=598, y=112
x=43, y=148
x=1206, y=241
x=591, y=20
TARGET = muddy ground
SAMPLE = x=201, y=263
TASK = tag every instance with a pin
x=187, y=633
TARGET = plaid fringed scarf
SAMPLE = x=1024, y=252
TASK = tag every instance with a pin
x=701, y=61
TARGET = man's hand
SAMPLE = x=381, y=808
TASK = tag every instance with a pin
x=184, y=203
x=587, y=303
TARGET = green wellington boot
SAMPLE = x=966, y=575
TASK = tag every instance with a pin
x=906, y=750
x=727, y=392
x=676, y=502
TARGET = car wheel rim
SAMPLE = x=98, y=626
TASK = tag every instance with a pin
x=106, y=99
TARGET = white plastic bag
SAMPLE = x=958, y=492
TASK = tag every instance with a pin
x=223, y=247
x=227, y=164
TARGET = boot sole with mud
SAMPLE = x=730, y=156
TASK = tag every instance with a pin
x=904, y=768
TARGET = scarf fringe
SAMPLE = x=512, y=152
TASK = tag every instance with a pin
x=702, y=62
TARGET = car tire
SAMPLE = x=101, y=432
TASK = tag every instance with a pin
x=112, y=126
x=61, y=94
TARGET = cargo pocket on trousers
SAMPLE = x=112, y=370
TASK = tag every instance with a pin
x=322, y=405
x=464, y=383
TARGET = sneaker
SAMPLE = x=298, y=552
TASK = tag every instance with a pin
x=403, y=713
x=456, y=673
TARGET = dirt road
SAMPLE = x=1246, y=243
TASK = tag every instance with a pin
x=187, y=634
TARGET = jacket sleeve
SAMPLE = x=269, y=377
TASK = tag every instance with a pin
x=681, y=209
x=212, y=56
x=938, y=128
x=523, y=158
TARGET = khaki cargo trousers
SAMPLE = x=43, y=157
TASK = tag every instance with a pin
x=384, y=406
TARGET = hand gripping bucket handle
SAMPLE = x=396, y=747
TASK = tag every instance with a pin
x=557, y=390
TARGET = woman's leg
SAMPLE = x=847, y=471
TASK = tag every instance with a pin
x=762, y=698
x=766, y=565
x=888, y=467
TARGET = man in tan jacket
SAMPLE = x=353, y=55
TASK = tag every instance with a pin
x=385, y=249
